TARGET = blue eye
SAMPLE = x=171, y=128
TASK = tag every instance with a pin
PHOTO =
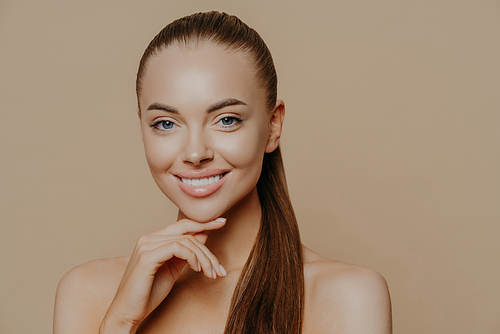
x=166, y=125
x=227, y=121
x=163, y=125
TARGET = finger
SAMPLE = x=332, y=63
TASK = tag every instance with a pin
x=206, y=259
x=185, y=226
x=201, y=237
x=150, y=241
x=217, y=269
x=208, y=262
x=155, y=258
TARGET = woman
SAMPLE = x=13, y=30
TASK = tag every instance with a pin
x=233, y=262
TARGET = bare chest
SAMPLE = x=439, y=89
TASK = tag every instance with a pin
x=197, y=308
x=192, y=308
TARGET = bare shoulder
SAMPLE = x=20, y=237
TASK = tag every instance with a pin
x=344, y=298
x=85, y=293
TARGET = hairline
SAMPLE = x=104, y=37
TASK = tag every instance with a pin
x=196, y=42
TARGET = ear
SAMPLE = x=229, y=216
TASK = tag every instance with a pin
x=276, y=124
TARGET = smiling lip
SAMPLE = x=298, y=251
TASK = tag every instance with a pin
x=202, y=183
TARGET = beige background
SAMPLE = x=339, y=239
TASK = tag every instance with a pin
x=391, y=144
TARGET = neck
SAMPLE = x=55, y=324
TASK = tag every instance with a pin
x=232, y=243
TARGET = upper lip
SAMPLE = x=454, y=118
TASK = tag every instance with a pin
x=202, y=173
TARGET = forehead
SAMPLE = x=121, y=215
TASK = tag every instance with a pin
x=188, y=76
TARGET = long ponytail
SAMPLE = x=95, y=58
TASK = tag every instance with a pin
x=269, y=296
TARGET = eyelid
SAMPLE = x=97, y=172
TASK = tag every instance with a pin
x=237, y=121
x=224, y=115
x=154, y=124
x=164, y=118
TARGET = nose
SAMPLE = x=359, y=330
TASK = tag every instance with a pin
x=197, y=150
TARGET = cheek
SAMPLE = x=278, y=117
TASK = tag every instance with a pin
x=244, y=149
x=160, y=154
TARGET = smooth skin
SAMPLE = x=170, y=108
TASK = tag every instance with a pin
x=202, y=108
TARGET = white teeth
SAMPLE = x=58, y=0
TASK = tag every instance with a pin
x=201, y=182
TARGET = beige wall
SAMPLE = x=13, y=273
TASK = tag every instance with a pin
x=391, y=144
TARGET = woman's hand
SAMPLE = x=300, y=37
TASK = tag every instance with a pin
x=153, y=268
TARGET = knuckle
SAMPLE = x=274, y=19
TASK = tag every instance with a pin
x=143, y=239
x=191, y=254
x=144, y=256
x=190, y=239
x=141, y=248
x=176, y=245
x=184, y=240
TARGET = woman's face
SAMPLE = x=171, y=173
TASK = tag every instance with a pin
x=205, y=128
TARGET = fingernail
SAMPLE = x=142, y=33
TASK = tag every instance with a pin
x=221, y=220
x=213, y=273
x=224, y=272
x=199, y=266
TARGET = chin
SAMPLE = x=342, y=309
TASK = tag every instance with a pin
x=221, y=204
x=200, y=213
x=200, y=217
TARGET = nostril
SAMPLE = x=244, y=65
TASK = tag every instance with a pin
x=197, y=151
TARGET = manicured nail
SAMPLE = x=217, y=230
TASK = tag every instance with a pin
x=213, y=273
x=224, y=272
x=221, y=220
x=199, y=266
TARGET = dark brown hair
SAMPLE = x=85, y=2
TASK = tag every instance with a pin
x=269, y=296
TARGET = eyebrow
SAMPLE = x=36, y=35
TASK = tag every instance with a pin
x=212, y=108
x=225, y=103
x=164, y=107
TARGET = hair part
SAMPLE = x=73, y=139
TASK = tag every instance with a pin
x=269, y=295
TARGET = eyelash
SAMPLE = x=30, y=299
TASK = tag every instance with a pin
x=236, y=123
x=156, y=125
